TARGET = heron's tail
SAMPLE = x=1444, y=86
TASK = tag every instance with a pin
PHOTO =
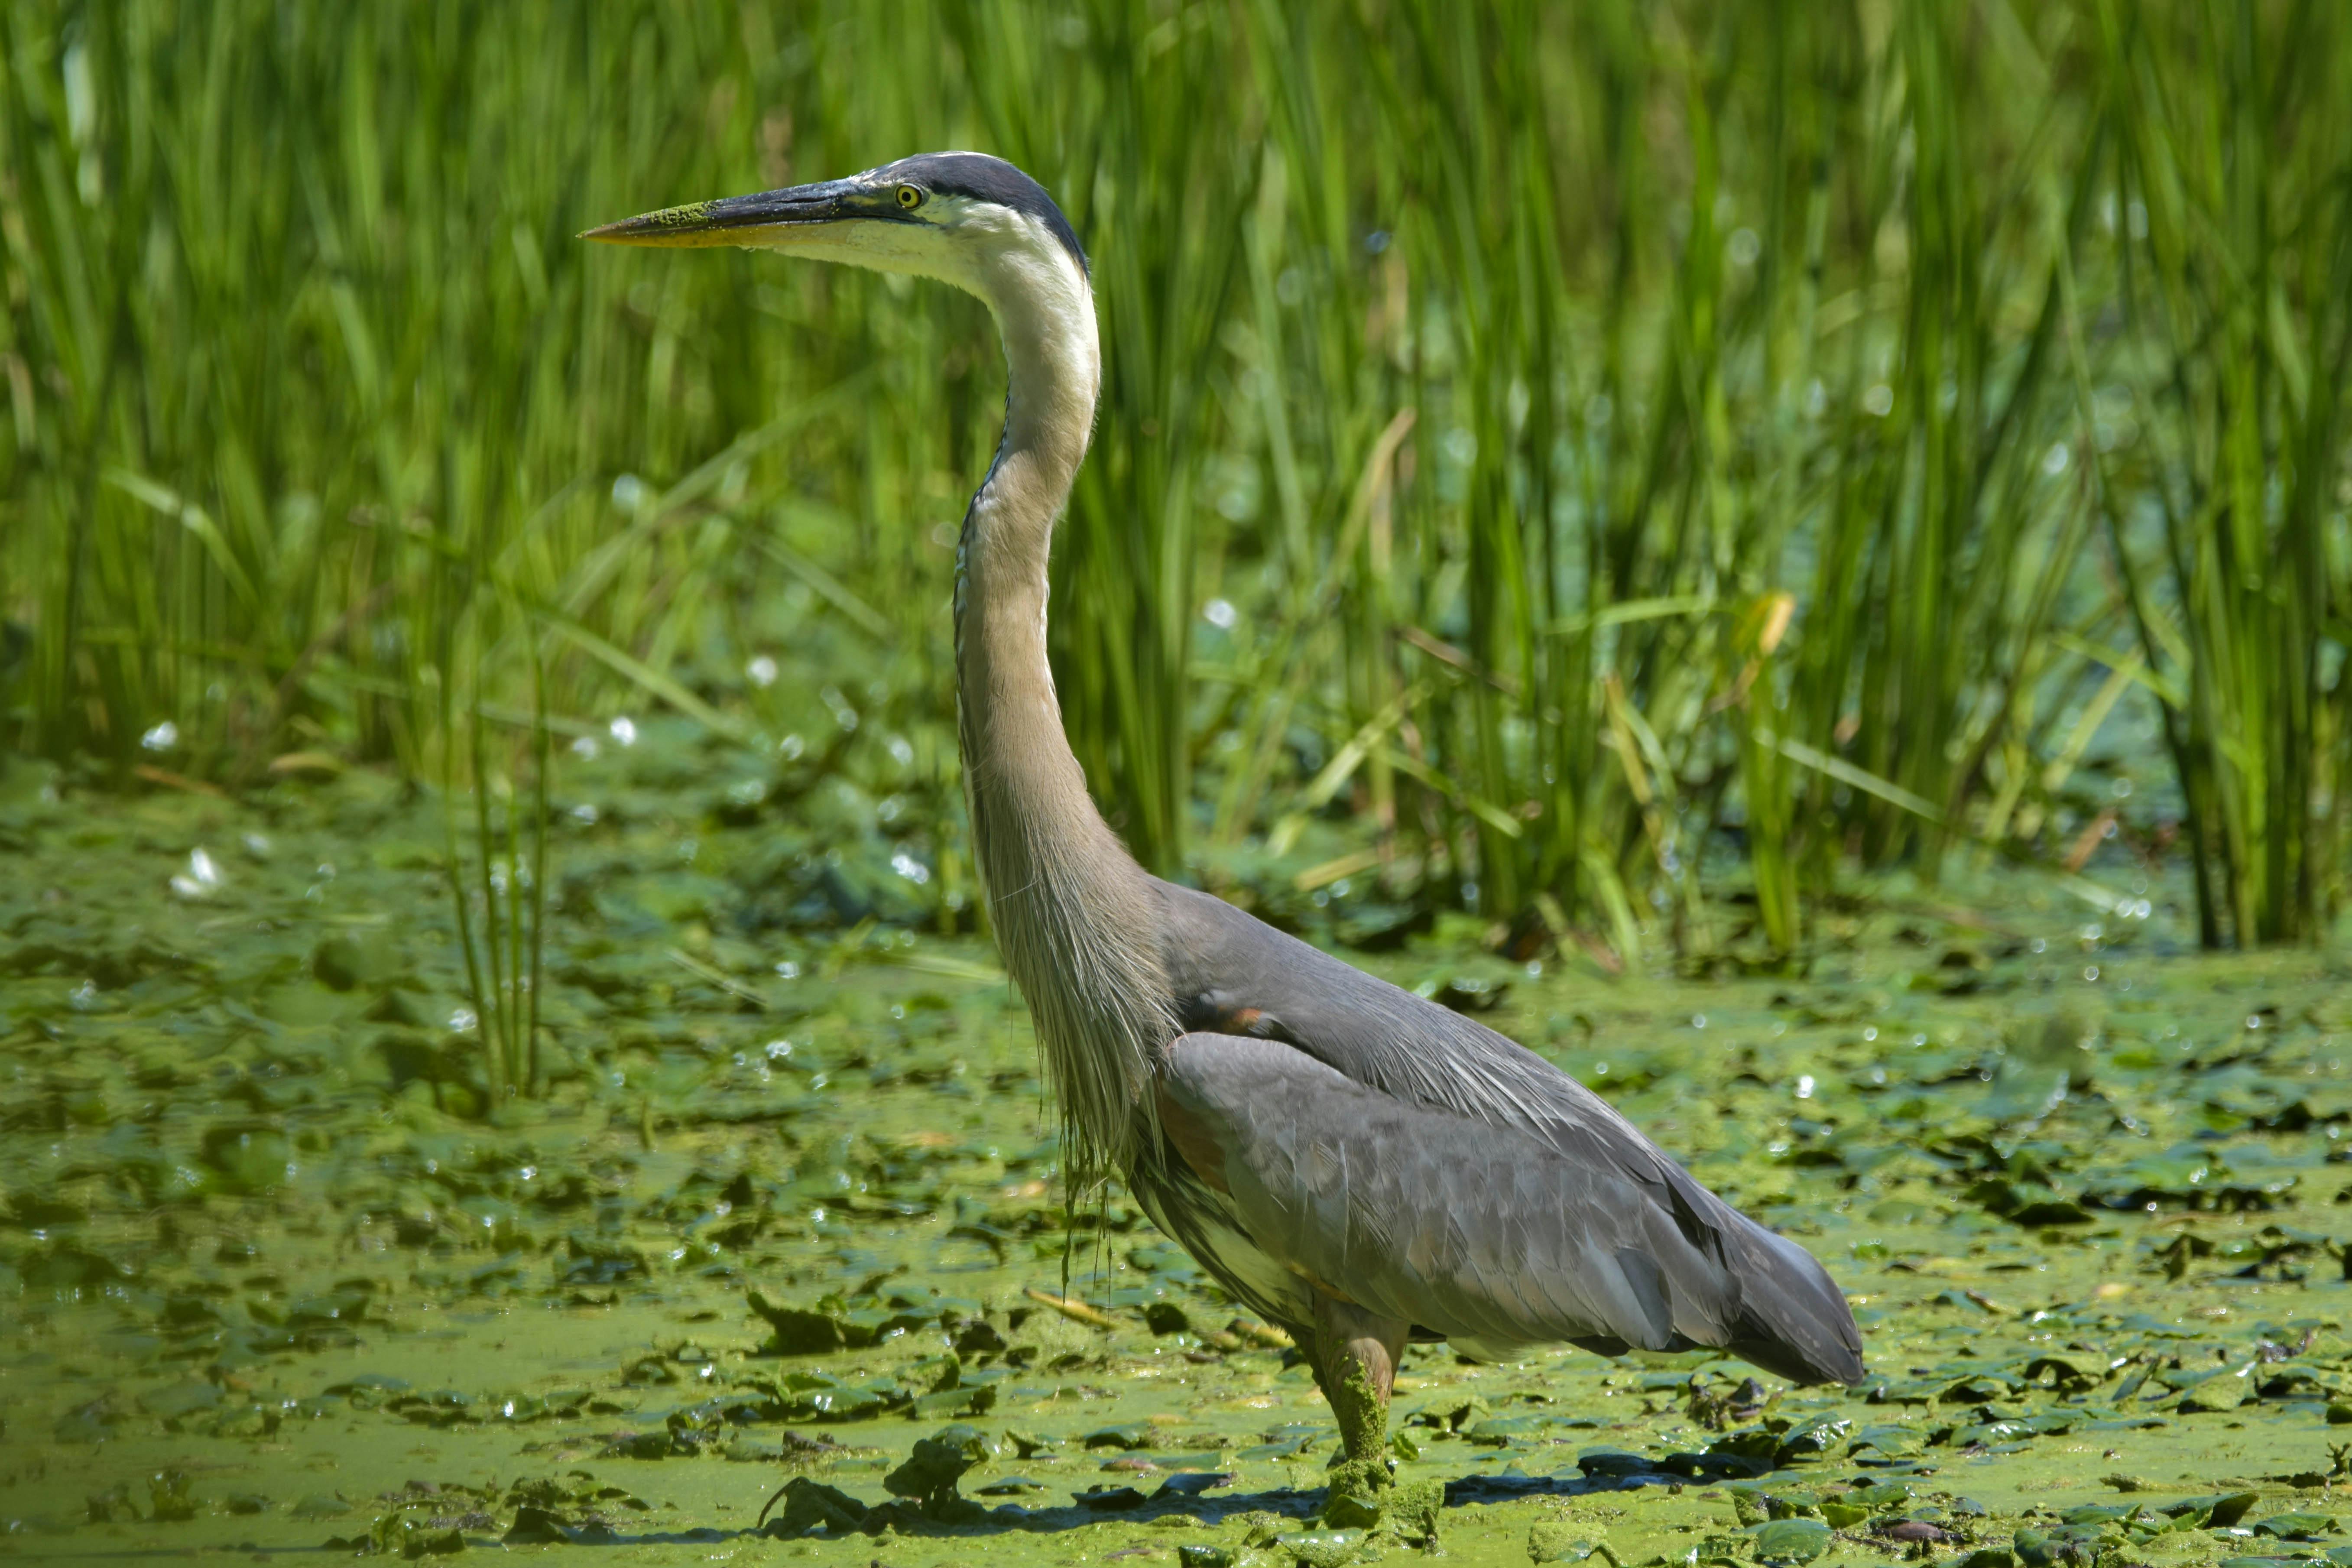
x=1792, y=1321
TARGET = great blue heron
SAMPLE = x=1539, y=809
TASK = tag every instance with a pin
x=1362, y=1166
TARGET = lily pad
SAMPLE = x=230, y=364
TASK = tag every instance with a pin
x=1791, y=1540
x=2296, y=1526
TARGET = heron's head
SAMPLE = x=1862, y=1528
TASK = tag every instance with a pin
x=964, y=218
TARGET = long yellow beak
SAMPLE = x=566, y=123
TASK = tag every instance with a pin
x=740, y=220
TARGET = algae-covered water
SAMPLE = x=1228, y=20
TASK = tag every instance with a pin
x=270, y=1282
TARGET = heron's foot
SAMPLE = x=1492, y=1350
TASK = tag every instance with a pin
x=1352, y=1500
x=1357, y=1493
x=1354, y=1356
x=1365, y=1495
x=1361, y=1408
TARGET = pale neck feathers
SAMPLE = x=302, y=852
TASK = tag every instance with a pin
x=1075, y=915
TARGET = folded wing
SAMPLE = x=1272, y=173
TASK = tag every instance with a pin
x=1430, y=1169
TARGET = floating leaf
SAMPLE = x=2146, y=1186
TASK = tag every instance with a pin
x=2298, y=1526
x=1791, y=1540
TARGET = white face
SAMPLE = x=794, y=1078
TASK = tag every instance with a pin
x=980, y=246
x=888, y=221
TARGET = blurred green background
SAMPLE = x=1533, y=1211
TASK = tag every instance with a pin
x=1617, y=469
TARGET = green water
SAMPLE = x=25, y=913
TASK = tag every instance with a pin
x=267, y=1280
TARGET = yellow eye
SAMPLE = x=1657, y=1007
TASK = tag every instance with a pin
x=909, y=197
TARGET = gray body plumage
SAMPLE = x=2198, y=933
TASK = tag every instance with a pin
x=1357, y=1164
x=1437, y=1172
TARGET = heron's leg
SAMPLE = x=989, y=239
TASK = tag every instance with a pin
x=1355, y=1355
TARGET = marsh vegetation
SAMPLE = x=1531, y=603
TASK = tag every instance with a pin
x=1796, y=557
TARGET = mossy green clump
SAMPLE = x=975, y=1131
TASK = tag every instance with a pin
x=1559, y=1540
x=1364, y=1495
x=445, y=1542
x=403, y=1535
x=1353, y=1508
x=1355, y=1491
x=1321, y=1548
x=1557, y=1543
x=811, y=1505
x=167, y=1492
x=1413, y=1510
x=929, y=1476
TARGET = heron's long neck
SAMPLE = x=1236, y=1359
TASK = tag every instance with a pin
x=1074, y=914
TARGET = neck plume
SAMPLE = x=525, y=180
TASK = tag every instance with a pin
x=1075, y=916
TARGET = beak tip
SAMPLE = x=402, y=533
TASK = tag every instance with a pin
x=683, y=225
x=619, y=232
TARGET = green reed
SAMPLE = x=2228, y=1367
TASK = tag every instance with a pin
x=1622, y=430
x=2232, y=262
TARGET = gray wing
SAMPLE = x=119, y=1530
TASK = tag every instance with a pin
x=1446, y=1086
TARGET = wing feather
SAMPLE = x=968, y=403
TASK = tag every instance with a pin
x=1488, y=1130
